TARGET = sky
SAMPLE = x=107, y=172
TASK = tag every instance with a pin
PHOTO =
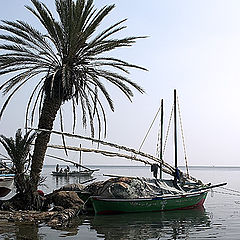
x=194, y=47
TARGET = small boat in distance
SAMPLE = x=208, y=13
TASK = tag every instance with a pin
x=82, y=173
x=87, y=172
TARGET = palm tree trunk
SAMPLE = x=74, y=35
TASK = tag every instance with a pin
x=47, y=117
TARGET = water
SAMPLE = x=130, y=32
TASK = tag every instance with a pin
x=220, y=219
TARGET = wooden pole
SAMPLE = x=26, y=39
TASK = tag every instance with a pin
x=161, y=139
x=80, y=158
x=110, y=154
x=171, y=168
x=175, y=132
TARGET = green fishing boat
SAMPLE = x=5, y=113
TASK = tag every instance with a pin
x=181, y=192
x=155, y=204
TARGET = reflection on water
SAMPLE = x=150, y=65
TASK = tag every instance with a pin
x=139, y=226
x=221, y=220
x=64, y=180
x=10, y=230
x=156, y=225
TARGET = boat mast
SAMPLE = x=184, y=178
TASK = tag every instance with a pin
x=80, y=158
x=161, y=139
x=175, y=132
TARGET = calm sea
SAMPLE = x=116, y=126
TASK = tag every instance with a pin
x=220, y=219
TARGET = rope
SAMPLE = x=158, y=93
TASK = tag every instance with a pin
x=183, y=140
x=168, y=130
x=232, y=190
x=158, y=141
x=149, y=129
x=236, y=192
x=231, y=194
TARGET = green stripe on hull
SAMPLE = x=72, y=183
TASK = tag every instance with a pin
x=110, y=206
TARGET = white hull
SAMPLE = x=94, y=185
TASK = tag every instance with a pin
x=6, y=184
x=74, y=173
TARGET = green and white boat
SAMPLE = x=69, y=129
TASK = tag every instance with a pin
x=169, y=199
x=178, y=193
x=154, y=204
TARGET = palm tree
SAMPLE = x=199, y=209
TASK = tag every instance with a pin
x=18, y=150
x=72, y=61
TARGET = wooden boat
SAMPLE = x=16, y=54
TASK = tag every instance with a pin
x=6, y=176
x=83, y=173
x=188, y=195
x=87, y=172
x=6, y=182
x=154, y=204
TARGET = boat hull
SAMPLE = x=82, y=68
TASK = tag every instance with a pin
x=163, y=203
x=6, y=184
x=73, y=174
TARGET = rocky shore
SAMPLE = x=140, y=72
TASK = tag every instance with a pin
x=63, y=204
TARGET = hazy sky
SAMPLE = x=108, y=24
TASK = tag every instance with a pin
x=193, y=46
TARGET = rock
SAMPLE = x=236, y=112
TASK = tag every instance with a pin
x=67, y=204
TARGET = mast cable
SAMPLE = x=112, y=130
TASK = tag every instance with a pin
x=149, y=129
x=168, y=130
x=183, y=140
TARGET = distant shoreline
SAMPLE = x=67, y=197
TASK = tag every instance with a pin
x=142, y=166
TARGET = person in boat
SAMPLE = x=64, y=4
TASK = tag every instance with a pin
x=178, y=177
x=177, y=173
x=68, y=169
x=154, y=169
x=61, y=170
x=57, y=167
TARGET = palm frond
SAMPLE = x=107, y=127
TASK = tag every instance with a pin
x=39, y=96
x=24, y=76
x=90, y=28
x=18, y=148
x=9, y=97
x=117, y=77
x=8, y=144
x=29, y=37
x=29, y=104
x=97, y=101
x=46, y=19
x=107, y=33
x=74, y=115
x=118, y=61
x=68, y=57
x=95, y=80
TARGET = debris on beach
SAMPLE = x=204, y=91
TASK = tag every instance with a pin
x=60, y=206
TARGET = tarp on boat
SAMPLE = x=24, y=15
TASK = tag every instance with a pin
x=130, y=187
